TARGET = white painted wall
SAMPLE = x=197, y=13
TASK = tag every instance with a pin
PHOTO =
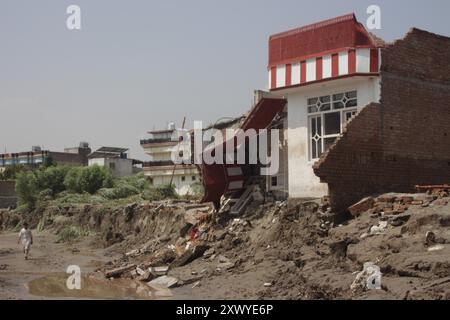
x=363, y=60
x=163, y=176
x=326, y=67
x=311, y=69
x=281, y=76
x=120, y=167
x=282, y=174
x=302, y=180
x=159, y=153
x=343, y=63
x=295, y=73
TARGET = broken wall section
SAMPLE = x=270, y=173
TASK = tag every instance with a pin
x=404, y=140
x=8, y=196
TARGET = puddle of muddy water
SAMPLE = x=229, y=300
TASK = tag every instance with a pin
x=54, y=286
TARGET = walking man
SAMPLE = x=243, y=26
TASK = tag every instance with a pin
x=26, y=237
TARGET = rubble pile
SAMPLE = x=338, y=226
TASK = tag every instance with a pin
x=393, y=204
x=300, y=250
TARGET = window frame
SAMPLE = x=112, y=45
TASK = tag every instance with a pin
x=321, y=114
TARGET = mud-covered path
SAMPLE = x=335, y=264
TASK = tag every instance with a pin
x=46, y=258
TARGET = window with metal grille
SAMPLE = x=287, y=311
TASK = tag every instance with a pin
x=327, y=116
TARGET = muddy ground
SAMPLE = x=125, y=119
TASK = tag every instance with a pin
x=274, y=250
x=47, y=258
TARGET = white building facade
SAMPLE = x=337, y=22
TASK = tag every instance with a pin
x=161, y=170
x=320, y=77
x=325, y=83
x=116, y=160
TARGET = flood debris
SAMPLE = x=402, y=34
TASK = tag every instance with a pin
x=379, y=228
x=224, y=264
x=395, y=204
x=368, y=278
x=117, y=272
x=437, y=247
x=362, y=206
x=312, y=247
x=430, y=238
x=159, y=271
x=163, y=282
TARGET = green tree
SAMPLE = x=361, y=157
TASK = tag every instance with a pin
x=167, y=191
x=52, y=178
x=26, y=189
x=11, y=172
x=94, y=178
x=72, y=180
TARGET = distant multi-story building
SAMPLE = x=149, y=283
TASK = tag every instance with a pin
x=37, y=156
x=160, y=169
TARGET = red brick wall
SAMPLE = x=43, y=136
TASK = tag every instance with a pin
x=64, y=158
x=7, y=194
x=8, y=188
x=404, y=140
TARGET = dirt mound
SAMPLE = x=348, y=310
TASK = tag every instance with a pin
x=298, y=251
x=282, y=250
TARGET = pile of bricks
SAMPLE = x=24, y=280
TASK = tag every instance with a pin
x=394, y=204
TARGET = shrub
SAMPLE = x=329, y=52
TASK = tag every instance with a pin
x=52, y=178
x=72, y=180
x=11, y=172
x=71, y=233
x=138, y=181
x=167, y=191
x=122, y=190
x=26, y=190
x=77, y=198
x=160, y=193
x=197, y=189
x=94, y=178
x=46, y=194
x=125, y=187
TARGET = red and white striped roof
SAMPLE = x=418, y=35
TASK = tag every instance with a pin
x=339, y=47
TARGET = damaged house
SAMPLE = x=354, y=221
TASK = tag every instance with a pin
x=358, y=116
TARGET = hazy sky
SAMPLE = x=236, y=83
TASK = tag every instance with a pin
x=136, y=65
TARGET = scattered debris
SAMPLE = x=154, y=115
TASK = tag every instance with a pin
x=436, y=248
x=368, y=278
x=433, y=188
x=139, y=271
x=114, y=273
x=164, y=282
x=208, y=253
x=132, y=253
x=304, y=240
x=159, y=271
x=430, y=238
x=190, y=255
x=225, y=266
x=399, y=220
x=146, y=276
x=378, y=229
x=362, y=206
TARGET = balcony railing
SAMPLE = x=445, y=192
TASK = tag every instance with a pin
x=157, y=163
x=146, y=141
